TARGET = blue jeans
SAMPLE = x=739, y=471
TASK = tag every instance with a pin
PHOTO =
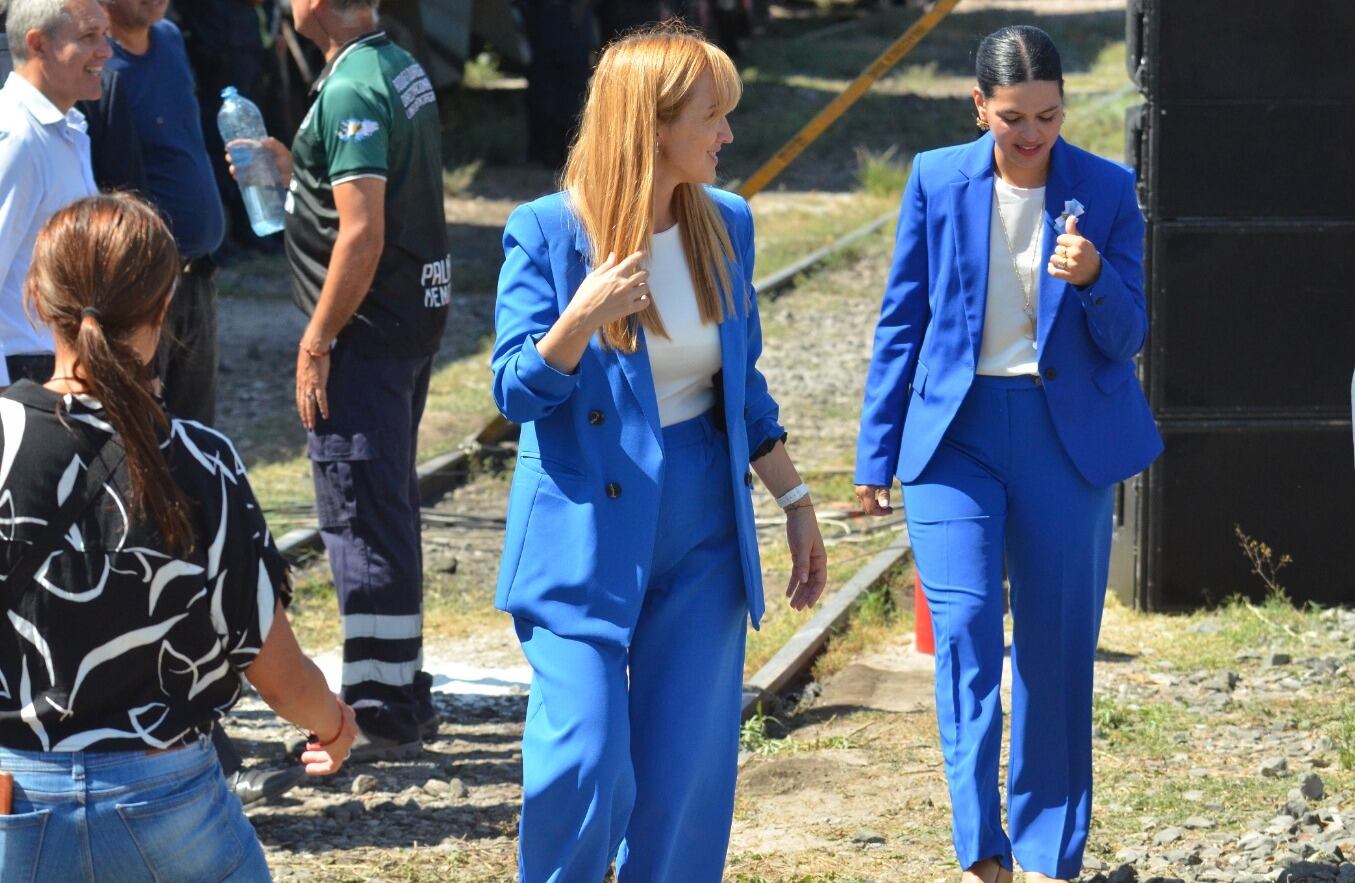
x=122, y=816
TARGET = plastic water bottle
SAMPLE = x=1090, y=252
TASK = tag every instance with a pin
x=242, y=131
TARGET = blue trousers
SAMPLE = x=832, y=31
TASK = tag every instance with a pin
x=1001, y=488
x=125, y=817
x=632, y=752
x=367, y=502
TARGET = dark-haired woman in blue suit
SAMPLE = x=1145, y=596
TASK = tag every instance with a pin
x=1002, y=394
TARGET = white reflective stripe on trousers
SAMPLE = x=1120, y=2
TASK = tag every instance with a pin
x=387, y=628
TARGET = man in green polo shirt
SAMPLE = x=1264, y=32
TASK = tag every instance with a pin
x=367, y=246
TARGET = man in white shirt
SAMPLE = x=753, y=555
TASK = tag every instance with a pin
x=59, y=49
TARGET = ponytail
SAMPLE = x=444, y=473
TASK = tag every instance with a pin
x=103, y=269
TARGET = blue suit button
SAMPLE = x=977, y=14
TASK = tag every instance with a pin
x=613, y=490
x=1099, y=301
x=1050, y=374
x=596, y=418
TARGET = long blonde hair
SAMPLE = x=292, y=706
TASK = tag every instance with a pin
x=643, y=81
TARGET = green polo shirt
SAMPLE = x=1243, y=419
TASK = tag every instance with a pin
x=374, y=115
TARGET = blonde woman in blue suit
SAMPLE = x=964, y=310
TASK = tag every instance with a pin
x=1002, y=394
x=627, y=338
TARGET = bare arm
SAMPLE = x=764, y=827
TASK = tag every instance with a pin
x=294, y=687
x=352, y=267
x=809, y=561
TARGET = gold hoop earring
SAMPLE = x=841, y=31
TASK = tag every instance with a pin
x=981, y=123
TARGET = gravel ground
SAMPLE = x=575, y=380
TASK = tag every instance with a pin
x=1311, y=834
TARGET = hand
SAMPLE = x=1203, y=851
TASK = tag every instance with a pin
x=809, y=561
x=312, y=377
x=614, y=290
x=282, y=157
x=1075, y=259
x=322, y=761
x=874, y=500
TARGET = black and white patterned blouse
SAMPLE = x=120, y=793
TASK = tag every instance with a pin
x=116, y=645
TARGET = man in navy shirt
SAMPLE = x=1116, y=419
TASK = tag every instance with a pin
x=157, y=84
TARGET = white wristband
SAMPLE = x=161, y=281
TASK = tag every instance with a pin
x=794, y=495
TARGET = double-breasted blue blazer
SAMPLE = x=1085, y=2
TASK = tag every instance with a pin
x=583, y=509
x=931, y=322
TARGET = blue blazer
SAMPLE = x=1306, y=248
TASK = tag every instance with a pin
x=931, y=323
x=583, y=508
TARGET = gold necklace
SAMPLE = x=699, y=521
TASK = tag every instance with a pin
x=1027, y=289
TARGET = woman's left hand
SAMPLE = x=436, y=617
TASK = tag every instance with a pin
x=809, y=561
x=1075, y=260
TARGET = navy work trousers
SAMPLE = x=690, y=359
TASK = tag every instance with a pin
x=999, y=487
x=367, y=502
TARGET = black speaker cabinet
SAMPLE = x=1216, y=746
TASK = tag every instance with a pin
x=1253, y=49
x=1244, y=159
x=1289, y=485
x=1250, y=319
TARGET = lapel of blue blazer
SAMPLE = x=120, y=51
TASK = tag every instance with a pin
x=1064, y=178
x=972, y=209
x=634, y=366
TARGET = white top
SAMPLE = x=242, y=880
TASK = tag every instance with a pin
x=44, y=166
x=1008, y=333
x=684, y=362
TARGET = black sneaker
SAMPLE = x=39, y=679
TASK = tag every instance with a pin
x=423, y=696
x=258, y=784
x=368, y=748
x=428, y=727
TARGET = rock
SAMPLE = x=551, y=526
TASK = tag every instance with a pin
x=1094, y=864
x=1296, y=807
x=1193, y=796
x=1279, y=659
x=1124, y=873
x=1198, y=823
x=866, y=837
x=435, y=787
x=1311, y=787
x=364, y=783
x=1167, y=835
x=1274, y=767
x=1223, y=682
x=457, y=789
x=1281, y=824
x=1127, y=856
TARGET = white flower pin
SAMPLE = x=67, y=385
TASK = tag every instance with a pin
x=1071, y=209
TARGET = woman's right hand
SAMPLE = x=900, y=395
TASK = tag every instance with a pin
x=874, y=500
x=614, y=290
x=323, y=760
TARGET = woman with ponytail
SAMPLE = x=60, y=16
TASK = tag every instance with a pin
x=140, y=587
x=627, y=346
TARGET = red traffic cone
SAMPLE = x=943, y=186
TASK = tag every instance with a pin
x=923, y=639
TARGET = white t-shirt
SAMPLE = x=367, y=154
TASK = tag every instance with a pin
x=684, y=362
x=1008, y=333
